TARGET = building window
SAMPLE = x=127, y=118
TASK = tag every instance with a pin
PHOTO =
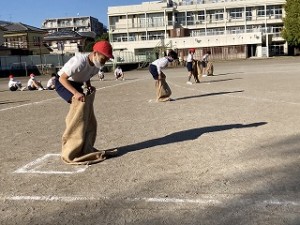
x=155, y=36
x=236, y=13
x=180, y=18
x=158, y=21
x=248, y=13
x=261, y=11
x=275, y=11
x=190, y=17
x=201, y=16
x=219, y=15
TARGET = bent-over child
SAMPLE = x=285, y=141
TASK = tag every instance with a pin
x=101, y=75
x=163, y=91
x=119, y=74
x=81, y=124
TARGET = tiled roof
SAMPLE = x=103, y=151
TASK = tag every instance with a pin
x=66, y=34
x=2, y=28
x=4, y=23
x=19, y=27
x=63, y=34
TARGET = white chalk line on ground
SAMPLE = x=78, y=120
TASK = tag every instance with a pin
x=28, y=104
x=205, y=201
x=50, y=99
x=32, y=167
x=234, y=95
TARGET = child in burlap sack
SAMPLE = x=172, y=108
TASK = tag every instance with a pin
x=204, y=63
x=163, y=91
x=81, y=124
x=192, y=66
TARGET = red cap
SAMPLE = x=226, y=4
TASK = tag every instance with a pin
x=192, y=50
x=11, y=76
x=103, y=47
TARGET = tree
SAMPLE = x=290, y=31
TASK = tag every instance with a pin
x=89, y=46
x=291, y=30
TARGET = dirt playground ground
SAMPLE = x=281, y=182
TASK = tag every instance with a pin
x=227, y=151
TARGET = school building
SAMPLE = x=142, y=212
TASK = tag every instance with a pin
x=230, y=29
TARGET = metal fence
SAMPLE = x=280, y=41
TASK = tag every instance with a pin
x=38, y=64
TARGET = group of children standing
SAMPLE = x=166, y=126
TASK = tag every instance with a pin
x=191, y=64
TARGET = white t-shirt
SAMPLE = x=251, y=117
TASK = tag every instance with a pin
x=161, y=63
x=30, y=81
x=190, y=57
x=51, y=82
x=205, y=57
x=118, y=71
x=13, y=82
x=79, y=69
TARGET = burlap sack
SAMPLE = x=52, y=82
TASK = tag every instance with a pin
x=199, y=70
x=195, y=71
x=163, y=91
x=210, y=69
x=80, y=134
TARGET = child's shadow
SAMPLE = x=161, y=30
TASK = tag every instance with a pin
x=184, y=135
x=208, y=94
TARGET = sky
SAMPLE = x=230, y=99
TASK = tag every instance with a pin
x=34, y=12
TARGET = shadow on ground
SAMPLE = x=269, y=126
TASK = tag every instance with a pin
x=184, y=135
x=220, y=80
x=207, y=95
x=224, y=74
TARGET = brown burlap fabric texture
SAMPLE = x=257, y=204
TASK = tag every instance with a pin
x=199, y=70
x=163, y=91
x=80, y=134
x=210, y=69
x=196, y=71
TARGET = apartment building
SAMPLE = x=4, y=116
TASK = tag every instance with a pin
x=23, y=39
x=71, y=34
x=229, y=28
x=77, y=24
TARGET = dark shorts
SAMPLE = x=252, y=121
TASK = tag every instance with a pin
x=31, y=88
x=153, y=71
x=189, y=66
x=13, y=88
x=64, y=92
x=204, y=64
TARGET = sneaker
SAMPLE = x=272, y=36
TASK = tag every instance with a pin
x=23, y=88
x=204, y=75
x=41, y=89
x=189, y=82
